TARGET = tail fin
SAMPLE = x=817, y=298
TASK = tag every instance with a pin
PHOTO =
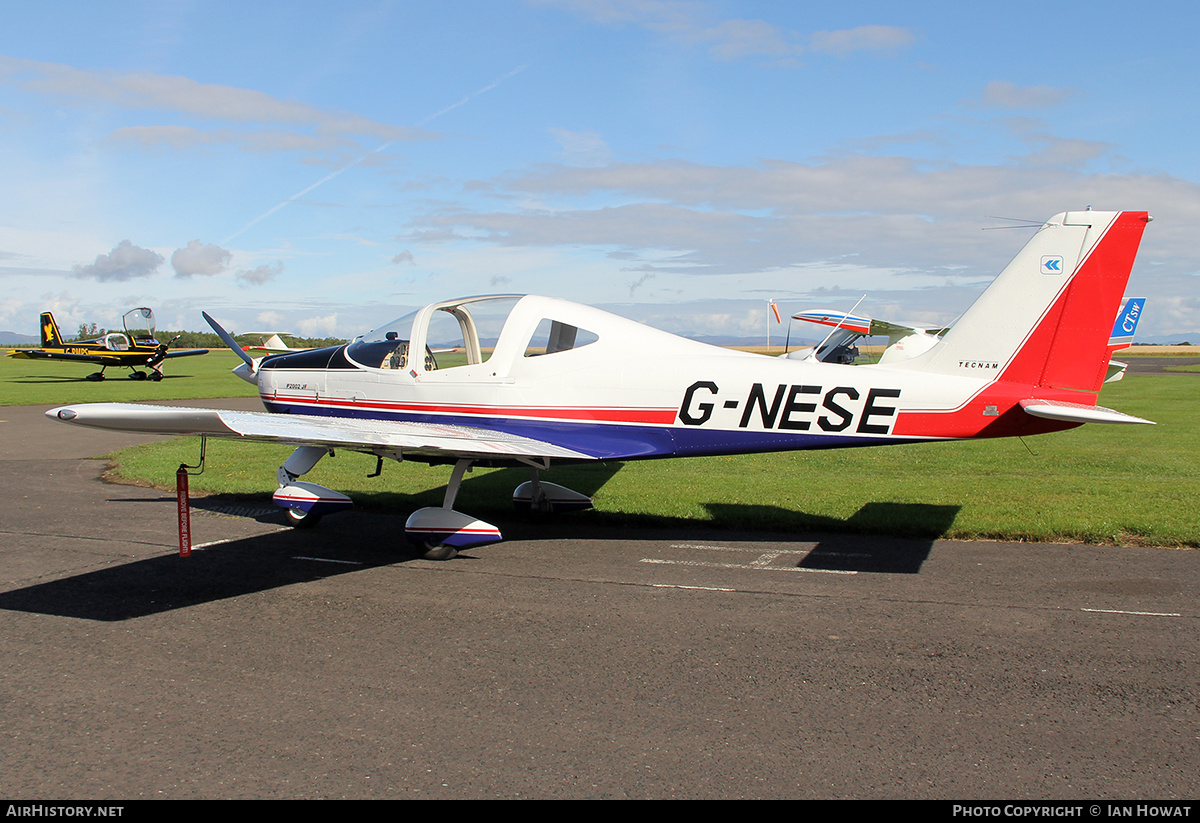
x=51, y=339
x=1046, y=320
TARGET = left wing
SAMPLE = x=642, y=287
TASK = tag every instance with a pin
x=42, y=354
x=185, y=352
x=425, y=439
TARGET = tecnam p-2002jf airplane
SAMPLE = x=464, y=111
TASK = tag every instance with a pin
x=566, y=382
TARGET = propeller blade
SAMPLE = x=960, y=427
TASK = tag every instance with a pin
x=227, y=338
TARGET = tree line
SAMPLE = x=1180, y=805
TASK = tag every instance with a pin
x=209, y=340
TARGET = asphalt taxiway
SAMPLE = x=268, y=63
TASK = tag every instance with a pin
x=564, y=662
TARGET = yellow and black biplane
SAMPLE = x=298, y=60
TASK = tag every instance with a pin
x=136, y=349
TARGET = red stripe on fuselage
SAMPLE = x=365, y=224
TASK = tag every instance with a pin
x=602, y=414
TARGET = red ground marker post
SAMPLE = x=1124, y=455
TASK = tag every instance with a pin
x=185, y=514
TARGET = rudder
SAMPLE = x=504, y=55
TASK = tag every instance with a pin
x=51, y=339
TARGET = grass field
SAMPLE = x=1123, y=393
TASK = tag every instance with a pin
x=1125, y=485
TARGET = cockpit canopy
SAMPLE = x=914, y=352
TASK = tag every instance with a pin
x=459, y=331
x=465, y=332
x=139, y=325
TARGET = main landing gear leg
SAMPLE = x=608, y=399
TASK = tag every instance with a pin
x=306, y=503
x=441, y=532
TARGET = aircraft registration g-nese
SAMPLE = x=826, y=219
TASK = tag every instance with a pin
x=529, y=380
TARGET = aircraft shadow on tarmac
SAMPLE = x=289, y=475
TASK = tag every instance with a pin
x=43, y=379
x=887, y=538
x=167, y=582
x=353, y=541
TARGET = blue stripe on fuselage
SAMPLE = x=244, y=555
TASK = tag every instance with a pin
x=612, y=441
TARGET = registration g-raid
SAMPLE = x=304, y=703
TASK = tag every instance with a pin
x=564, y=382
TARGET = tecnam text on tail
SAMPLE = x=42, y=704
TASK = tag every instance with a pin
x=565, y=382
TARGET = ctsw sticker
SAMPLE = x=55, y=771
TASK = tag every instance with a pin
x=792, y=408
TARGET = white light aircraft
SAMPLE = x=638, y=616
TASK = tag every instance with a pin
x=906, y=340
x=565, y=382
x=272, y=343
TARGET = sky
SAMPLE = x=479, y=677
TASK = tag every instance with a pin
x=323, y=168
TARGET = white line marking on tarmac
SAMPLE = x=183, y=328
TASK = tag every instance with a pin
x=200, y=546
x=695, y=588
x=1141, y=614
x=752, y=566
x=761, y=563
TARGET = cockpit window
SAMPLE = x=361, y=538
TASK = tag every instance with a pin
x=139, y=323
x=848, y=348
x=385, y=347
x=116, y=342
x=553, y=336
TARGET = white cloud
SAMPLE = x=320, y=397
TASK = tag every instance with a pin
x=319, y=326
x=890, y=225
x=125, y=262
x=186, y=137
x=259, y=275
x=582, y=148
x=863, y=38
x=163, y=92
x=198, y=258
x=1001, y=94
x=735, y=38
x=269, y=319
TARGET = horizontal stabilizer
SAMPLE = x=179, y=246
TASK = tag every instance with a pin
x=1116, y=371
x=1077, y=412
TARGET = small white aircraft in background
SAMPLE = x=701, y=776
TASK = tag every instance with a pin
x=565, y=382
x=904, y=340
x=907, y=340
x=272, y=343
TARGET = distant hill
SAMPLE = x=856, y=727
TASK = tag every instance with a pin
x=11, y=338
x=1192, y=339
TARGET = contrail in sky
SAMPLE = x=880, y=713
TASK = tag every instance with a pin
x=358, y=160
